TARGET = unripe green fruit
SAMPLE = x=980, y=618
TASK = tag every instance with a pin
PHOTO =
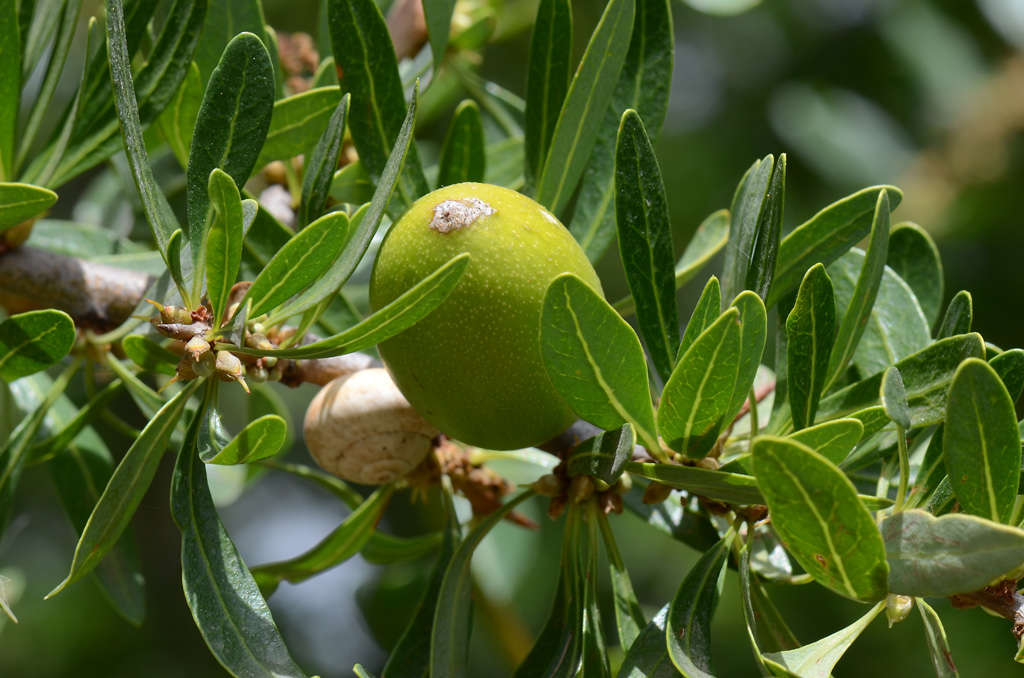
x=473, y=367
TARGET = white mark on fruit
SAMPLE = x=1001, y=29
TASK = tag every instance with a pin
x=452, y=215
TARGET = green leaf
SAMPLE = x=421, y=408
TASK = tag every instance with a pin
x=62, y=439
x=224, y=242
x=407, y=309
x=761, y=270
x=644, y=85
x=753, y=334
x=956, y=553
x=811, y=328
x=926, y=376
x=648, y=655
x=362, y=672
x=833, y=440
x=1009, y=365
x=896, y=326
x=938, y=645
x=126, y=488
x=733, y=488
x=817, y=659
x=697, y=397
x=261, y=438
x=547, y=80
x=438, y=15
x=862, y=299
x=178, y=121
x=150, y=355
x=463, y=154
x=914, y=257
x=385, y=549
x=363, y=229
x=341, y=544
x=21, y=202
x=959, y=315
x=688, y=627
x=771, y=625
x=319, y=169
x=603, y=456
x=582, y=335
x=226, y=604
x=10, y=86
x=366, y=60
x=226, y=19
x=585, y=103
x=505, y=162
x=826, y=236
x=297, y=122
x=629, y=618
x=32, y=341
x=230, y=129
x=981, y=442
x=704, y=314
x=594, y=660
x=747, y=205
x=451, y=629
x=300, y=262
x=645, y=242
x=352, y=184
x=815, y=510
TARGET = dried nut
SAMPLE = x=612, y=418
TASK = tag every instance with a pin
x=362, y=429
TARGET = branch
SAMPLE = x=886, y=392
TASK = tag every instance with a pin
x=1002, y=599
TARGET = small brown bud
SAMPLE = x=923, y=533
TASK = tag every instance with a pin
x=556, y=507
x=623, y=485
x=656, y=493
x=548, y=485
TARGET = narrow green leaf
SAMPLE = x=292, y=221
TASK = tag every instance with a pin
x=862, y=300
x=407, y=309
x=178, y=121
x=956, y=553
x=148, y=400
x=149, y=355
x=450, y=633
x=363, y=229
x=352, y=184
x=1009, y=365
x=301, y=261
x=765, y=250
x=463, y=154
x=385, y=549
x=261, y=438
x=319, y=169
x=815, y=510
x=604, y=455
x=826, y=236
x=811, y=328
x=914, y=257
x=62, y=439
x=648, y=655
x=10, y=86
x=230, y=129
x=224, y=242
x=594, y=660
x=959, y=315
x=123, y=493
x=297, y=122
x=226, y=19
x=926, y=376
x=582, y=335
x=981, y=442
x=644, y=85
x=732, y=488
x=704, y=314
x=747, y=205
x=505, y=162
x=938, y=645
x=362, y=672
x=176, y=264
x=753, y=334
x=585, y=103
x=226, y=604
x=32, y=341
x=438, y=16
x=645, y=242
x=767, y=626
x=896, y=326
x=688, y=627
x=893, y=396
x=369, y=71
x=21, y=202
x=629, y=618
x=341, y=544
x=547, y=80
x=817, y=659
x=874, y=419
x=833, y=440
x=696, y=398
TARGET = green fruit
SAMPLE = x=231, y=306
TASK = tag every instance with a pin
x=473, y=367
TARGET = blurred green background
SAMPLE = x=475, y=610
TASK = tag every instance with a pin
x=924, y=94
